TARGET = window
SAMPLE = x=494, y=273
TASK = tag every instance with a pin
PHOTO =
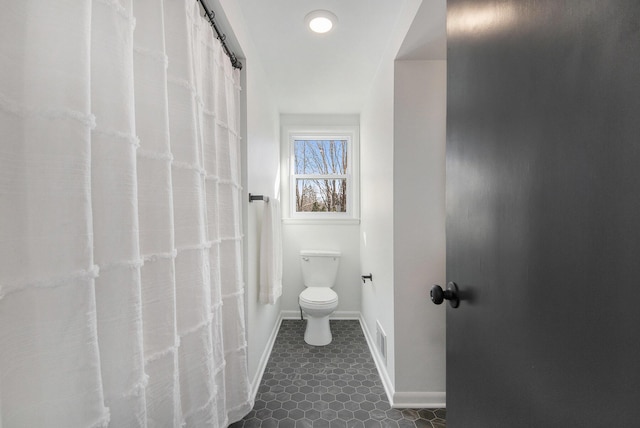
x=322, y=171
x=320, y=174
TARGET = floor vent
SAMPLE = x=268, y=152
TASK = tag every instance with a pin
x=381, y=341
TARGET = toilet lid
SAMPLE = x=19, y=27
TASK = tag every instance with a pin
x=318, y=295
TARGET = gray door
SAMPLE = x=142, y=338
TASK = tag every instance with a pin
x=543, y=213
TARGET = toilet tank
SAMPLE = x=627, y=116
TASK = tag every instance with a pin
x=319, y=268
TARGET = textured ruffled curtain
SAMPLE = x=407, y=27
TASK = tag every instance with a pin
x=121, y=293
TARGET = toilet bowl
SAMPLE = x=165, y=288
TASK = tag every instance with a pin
x=318, y=301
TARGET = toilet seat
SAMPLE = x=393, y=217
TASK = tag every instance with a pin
x=318, y=296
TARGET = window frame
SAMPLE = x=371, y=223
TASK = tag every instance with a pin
x=348, y=133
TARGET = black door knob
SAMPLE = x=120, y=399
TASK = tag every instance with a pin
x=438, y=295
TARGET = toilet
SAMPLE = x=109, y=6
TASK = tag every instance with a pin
x=318, y=301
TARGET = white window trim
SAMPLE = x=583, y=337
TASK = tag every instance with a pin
x=351, y=134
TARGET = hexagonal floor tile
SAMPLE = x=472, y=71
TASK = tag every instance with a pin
x=333, y=386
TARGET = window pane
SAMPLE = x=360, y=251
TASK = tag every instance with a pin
x=320, y=156
x=322, y=195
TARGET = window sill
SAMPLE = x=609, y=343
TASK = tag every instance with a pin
x=328, y=221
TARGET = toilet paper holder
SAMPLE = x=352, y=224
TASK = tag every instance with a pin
x=365, y=277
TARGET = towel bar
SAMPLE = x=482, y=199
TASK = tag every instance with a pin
x=258, y=198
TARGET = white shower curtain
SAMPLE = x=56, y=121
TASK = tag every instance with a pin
x=121, y=292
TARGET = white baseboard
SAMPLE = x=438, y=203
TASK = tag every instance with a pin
x=290, y=315
x=419, y=400
x=337, y=315
x=380, y=364
x=264, y=359
x=345, y=315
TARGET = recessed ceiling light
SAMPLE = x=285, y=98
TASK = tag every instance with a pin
x=321, y=21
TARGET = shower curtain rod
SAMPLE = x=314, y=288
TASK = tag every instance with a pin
x=222, y=37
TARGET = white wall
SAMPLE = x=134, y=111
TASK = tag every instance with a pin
x=343, y=238
x=262, y=142
x=376, y=198
x=403, y=219
x=419, y=229
x=308, y=235
x=376, y=208
x=263, y=159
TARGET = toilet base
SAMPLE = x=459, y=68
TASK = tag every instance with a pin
x=318, y=331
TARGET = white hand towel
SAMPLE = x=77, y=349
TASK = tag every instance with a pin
x=271, y=253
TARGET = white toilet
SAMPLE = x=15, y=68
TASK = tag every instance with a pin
x=318, y=300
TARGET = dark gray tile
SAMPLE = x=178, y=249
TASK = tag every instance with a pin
x=376, y=414
x=336, y=405
x=367, y=405
x=269, y=423
x=296, y=414
x=320, y=405
x=252, y=423
x=394, y=414
x=333, y=386
x=280, y=414
x=289, y=405
x=423, y=423
x=312, y=414
x=345, y=415
x=304, y=423
x=329, y=414
x=287, y=423
x=298, y=396
x=273, y=405
x=320, y=423
x=338, y=423
x=372, y=424
x=361, y=415
x=263, y=414
x=305, y=405
x=406, y=423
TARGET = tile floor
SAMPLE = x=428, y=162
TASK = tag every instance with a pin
x=333, y=386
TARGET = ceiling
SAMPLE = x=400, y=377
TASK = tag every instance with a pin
x=332, y=73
